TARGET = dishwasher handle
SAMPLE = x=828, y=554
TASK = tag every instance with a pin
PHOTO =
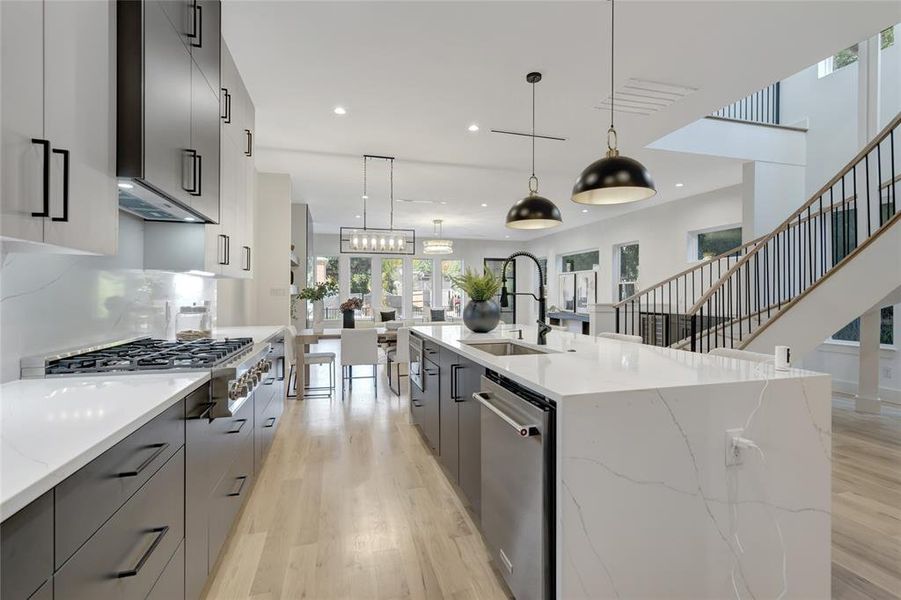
x=523, y=429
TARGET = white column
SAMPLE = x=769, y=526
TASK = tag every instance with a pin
x=867, y=399
x=343, y=277
x=407, y=291
x=376, y=284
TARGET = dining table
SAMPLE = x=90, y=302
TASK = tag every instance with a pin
x=308, y=337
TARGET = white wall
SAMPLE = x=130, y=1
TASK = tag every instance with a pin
x=770, y=193
x=53, y=301
x=273, y=240
x=661, y=231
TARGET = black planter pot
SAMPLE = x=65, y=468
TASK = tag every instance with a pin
x=349, y=322
x=481, y=316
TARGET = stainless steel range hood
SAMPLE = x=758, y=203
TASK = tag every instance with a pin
x=141, y=200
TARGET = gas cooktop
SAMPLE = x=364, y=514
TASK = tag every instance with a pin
x=147, y=354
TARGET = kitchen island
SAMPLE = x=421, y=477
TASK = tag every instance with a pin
x=645, y=503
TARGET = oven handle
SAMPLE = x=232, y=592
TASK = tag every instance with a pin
x=523, y=429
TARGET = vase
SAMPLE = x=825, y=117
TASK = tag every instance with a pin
x=481, y=316
x=318, y=316
x=349, y=322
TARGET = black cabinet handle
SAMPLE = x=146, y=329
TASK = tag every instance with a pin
x=208, y=407
x=192, y=155
x=65, y=154
x=455, y=386
x=240, y=426
x=160, y=534
x=227, y=102
x=246, y=266
x=228, y=250
x=160, y=448
x=198, y=26
x=416, y=404
x=430, y=372
x=243, y=480
x=198, y=174
x=270, y=422
x=269, y=381
x=249, y=150
x=46, y=176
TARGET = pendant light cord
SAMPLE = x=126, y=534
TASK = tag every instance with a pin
x=365, y=194
x=391, y=191
x=533, y=178
x=612, y=62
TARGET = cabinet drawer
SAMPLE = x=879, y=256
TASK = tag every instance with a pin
x=85, y=500
x=26, y=549
x=431, y=350
x=125, y=557
x=171, y=584
x=266, y=425
x=225, y=433
x=228, y=496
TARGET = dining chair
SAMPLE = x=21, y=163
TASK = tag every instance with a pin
x=398, y=355
x=622, y=337
x=359, y=347
x=302, y=360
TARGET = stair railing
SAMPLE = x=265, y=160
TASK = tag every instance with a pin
x=813, y=242
x=760, y=107
x=657, y=313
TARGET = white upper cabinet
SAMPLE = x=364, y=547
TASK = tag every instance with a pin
x=59, y=117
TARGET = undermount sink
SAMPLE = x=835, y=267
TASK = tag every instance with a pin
x=505, y=348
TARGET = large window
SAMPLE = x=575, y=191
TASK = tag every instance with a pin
x=840, y=59
x=422, y=287
x=325, y=269
x=452, y=296
x=626, y=270
x=361, y=284
x=714, y=243
x=582, y=261
x=393, y=286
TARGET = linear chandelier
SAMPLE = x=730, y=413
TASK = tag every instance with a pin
x=438, y=245
x=378, y=240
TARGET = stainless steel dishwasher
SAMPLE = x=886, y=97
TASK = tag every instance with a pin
x=518, y=509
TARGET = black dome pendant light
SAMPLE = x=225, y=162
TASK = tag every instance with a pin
x=613, y=179
x=533, y=211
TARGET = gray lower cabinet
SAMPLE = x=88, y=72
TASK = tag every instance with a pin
x=431, y=412
x=229, y=494
x=124, y=559
x=171, y=583
x=45, y=592
x=198, y=487
x=85, y=500
x=449, y=451
x=26, y=549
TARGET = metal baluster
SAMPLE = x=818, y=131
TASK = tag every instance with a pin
x=867, y=174
x=879, y=183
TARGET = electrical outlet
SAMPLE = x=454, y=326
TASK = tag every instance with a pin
x=886, y=372
x=733, y=452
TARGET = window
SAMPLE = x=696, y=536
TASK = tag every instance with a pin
x=886, y=38
x=626, y=269
x=840, y=59
x=714, y=243
x=543, y=263
x=422, y=286
x=361, y=284
x=582, y=261
x=326, y=269
x=452, y=296
x=393, y=286
x=851, y=331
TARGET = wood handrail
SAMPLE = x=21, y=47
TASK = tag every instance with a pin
x=787, y=222
x=695, y=267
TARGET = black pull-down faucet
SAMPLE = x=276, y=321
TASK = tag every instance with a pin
x=543, y=328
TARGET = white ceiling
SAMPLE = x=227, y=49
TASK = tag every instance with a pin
x=414, y=75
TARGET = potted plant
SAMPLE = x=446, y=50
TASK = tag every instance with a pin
x=481, y=314
x=347, y=310
x=316, y=294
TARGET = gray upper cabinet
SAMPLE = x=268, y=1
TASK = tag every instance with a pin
x=168, y=98
x=59, y=115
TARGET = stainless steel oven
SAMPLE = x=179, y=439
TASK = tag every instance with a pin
x=416, y=358
x=518, y=511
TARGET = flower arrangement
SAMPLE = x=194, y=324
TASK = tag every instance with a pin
x=353, y=303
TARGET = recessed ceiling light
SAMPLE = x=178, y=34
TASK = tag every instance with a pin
x=680, y=184
x=340, y=110
x=507, y=236
x=356, y=216
x=484, y=205
x=473, y=128
x=125, y=186
x=365, y=197
x=584, y=210
x=190, y=219
x=443, y=202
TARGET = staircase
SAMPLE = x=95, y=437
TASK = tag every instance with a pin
x=831, y=260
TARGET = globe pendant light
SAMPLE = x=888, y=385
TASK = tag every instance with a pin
x=533, y=211
x=614, y=179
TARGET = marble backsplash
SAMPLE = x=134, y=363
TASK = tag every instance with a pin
x=57, y=301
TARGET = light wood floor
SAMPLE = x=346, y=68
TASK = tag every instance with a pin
x=351, y=504
x=866, y=504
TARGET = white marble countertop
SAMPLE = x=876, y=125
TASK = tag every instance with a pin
x=259, y=333
x=50, y=428
x=581, y=365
